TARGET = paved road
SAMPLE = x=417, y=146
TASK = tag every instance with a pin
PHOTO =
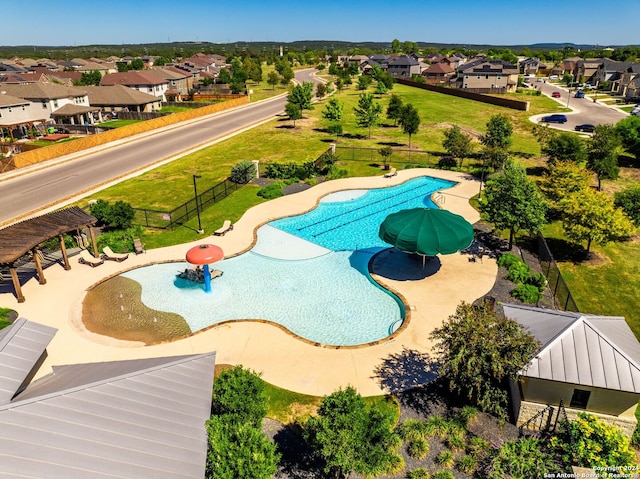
x=24, y=194
x=584, y=109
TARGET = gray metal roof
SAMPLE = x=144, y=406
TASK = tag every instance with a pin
x=598, y=351
x=21, y=345
x=127, y=419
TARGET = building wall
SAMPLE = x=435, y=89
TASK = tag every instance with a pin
x=603, y=401
x=12, y=115
x=484, y=80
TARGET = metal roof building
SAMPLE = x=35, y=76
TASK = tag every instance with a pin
x=598, y=351
x=139, y=418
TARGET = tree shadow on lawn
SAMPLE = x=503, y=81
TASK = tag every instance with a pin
x=352, y=136
x=298, y=460
x=536, y=170
x=391, y=143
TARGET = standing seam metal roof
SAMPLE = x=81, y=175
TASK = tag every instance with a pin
x=596, y=351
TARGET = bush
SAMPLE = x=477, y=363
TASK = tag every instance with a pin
x=527, y=293
x=335, y=129
x=629, y=201
x=120, y=241
x=506, y=260
x=521, y=458
x=455, y=442
x=243, y=172
x=477, y=446
x=519, y=273
x=467, y=464
x=118, y=216
x=412, y=429
x=595, y=443
x=539, y=280
x=239, y=395
x=420, y=473
x=445, y=459
x=443, y=475
x=274, y=190
x=418, y=448
x=336, y=173
x=466, y=415
x=447, y=162
x=281, y=171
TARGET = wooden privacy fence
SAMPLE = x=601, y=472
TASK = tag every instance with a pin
x=55, y=151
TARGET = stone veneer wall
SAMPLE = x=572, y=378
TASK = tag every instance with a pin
x=530, y=409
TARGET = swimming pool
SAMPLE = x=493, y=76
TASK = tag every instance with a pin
x=308, y=273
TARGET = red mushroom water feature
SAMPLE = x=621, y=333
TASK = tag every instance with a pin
x=204, y=255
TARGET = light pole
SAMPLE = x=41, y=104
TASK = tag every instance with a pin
x=195, y=194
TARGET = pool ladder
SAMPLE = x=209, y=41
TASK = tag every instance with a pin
x=438, y=198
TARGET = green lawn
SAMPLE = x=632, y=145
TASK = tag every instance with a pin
x=119, y=123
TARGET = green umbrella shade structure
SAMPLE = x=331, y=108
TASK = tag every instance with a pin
x=426, y=231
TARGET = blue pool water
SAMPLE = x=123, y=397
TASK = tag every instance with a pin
x=308, y=273
x=353, y=223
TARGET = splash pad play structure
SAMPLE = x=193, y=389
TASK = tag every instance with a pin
x=202, y=256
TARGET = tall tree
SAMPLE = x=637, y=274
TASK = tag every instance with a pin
x=239, y=394
x=333, y=112
x=353, y=437
x=393, y=108
x=367, y=112
x=364, y=82
x=629, y=200
x=497, y=140
x=602, y=153
x=629, y=131
x=563, y=179
x=409, y=120
x=273, y=79
x=293, y=111
x=477, y=368
x=90, y=78
x=456, y=143
x=592, y=216
x=301, y=95
x=565, y=147
x=513, y=202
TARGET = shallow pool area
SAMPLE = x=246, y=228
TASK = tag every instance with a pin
x=307, y=273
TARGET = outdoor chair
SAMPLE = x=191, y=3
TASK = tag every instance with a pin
x=138, y=246
x=215, y=273
x=226, y=226
x=88, y=258
x=390, y=173
x=107, y=253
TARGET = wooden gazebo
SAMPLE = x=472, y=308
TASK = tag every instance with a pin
x=17, y=239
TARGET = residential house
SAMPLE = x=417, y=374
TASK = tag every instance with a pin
x=585, y=70
x=381, y=59
x=611, y=71
x=7, y=67
x=438, y=73
x=488, y=75
x=590, y=363
x=531, y=66
x=67, y=105
x=17, y=118
x=180, y=81
x=403, y=66
x=630, y=82
x=138, y=80
x=116, y=98
x=119, y=419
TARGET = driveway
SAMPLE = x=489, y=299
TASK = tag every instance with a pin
x=584, y=110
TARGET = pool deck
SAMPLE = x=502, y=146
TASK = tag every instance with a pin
x=283, y=360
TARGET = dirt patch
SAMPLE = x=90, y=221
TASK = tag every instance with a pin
x=445, y=126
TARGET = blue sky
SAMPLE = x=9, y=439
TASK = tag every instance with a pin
x=496, y=22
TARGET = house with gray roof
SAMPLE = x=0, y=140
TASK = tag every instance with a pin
x=138, y=418
x=404, y=66
x=590, y=363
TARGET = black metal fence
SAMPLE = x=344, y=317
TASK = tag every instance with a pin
x=372, y=155
x=561, y=294
x=183, y=213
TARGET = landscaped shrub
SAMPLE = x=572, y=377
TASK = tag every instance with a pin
x=477, y=446
x=522, y=458
x=447, y=162
x=629, y=201
x=519, y=272
x=506, y=260
x=420, y=473
x=412, y=429
x=335, y=129
x=239, y=396
x=120, y=241
x=527, y=293
x=418, y=448
x=445, y=459
x=243, y=172
x=538, y=280
x=590, y=442
x=455, y=442
x=443, y=475
x=465, y=416
x=467, y=464
x=274, y=190
x=336, y=173
x=120, y=215
x=281, y=171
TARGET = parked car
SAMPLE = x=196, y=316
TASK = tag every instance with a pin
x=586, y=127
x=579, y=94
x=555, y=94
x=636, y=111
x=555, y=118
